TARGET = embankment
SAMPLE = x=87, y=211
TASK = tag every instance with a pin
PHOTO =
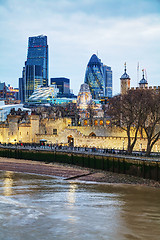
x=139, y=167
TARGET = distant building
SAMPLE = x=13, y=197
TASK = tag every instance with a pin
x=21, y=96
x=63, y=85
x=107, y=72
x=3, y=90
x=99, y=78
x=84, y=96
x=8, y=93
x=5, y=110
x=35, y=72
x=38, y=56
x=44, y=94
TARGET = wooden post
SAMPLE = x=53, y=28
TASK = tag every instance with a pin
x=144, y=174
x=124, y=166
x=157, y=171
x=113, y=165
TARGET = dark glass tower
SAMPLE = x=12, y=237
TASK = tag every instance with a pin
x=63, y=85
x=38, y=55
x=36, y=66
x=107, y=81
x=99, y=78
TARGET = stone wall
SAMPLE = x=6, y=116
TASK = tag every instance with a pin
x=58, y=131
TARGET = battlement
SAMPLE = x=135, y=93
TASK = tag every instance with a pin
x=150, y=87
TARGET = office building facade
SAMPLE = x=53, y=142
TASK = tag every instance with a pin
x=38, y=56
x=63, y=85
x=99, y=78
x=35, y=72
x=107, y=73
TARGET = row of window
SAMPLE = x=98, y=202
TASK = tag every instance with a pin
x=12, y=133
x=95, y=122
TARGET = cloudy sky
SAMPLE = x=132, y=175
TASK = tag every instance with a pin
x=118, y=30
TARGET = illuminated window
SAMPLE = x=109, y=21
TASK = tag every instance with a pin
x=101, y=122
x=85, y=122
x=107, y=122
x=95, y=122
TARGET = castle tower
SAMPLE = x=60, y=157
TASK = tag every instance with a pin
x=125, y=81
x=143, y=83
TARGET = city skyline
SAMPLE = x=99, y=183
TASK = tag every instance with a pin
x=121, y=31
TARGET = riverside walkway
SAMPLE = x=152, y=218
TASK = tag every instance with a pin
x=138, y=155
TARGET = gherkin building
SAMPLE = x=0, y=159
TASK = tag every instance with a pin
x=94, y=77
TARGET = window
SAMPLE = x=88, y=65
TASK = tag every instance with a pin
x=107, y=122
x=95, y=122
x=27, y=133
x=55, y=131
x=85, y=122
x=101, y=122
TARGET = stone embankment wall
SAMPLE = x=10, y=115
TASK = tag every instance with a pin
x=149, y=169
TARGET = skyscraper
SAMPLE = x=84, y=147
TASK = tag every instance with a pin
x=21, y=93
x=38, y=56
x=36, y=66
x=107, y=72
x=99, y=78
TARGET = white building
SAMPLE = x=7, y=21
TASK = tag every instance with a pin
x=5, y=110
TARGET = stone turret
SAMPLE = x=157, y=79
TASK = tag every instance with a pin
x=143, y=83
x=125, y=81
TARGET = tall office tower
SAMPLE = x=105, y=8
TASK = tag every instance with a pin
x=21, y=94
x=63, y=85
x=36, y=67
x=107, y=81
x=99, y=78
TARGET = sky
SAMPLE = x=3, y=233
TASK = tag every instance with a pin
x=118, y=31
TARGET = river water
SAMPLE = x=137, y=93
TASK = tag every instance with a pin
x=41, y=207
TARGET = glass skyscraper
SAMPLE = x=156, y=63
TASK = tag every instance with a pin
x=107, y=81
x=38, y=55
x=99, y=78
x=36, y=66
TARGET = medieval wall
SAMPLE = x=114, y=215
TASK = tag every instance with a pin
x=32, y=130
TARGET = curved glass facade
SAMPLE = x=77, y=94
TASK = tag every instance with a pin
x=99, y=78
x=94, y=77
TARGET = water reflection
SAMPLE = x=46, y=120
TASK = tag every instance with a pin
x=41, y=207
x=8, y=183
x=71, y=195
x=71, y=199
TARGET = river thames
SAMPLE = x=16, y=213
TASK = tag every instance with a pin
x=42, y=207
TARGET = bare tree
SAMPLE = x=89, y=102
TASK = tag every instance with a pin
x=151, y=119
x=127, y=112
